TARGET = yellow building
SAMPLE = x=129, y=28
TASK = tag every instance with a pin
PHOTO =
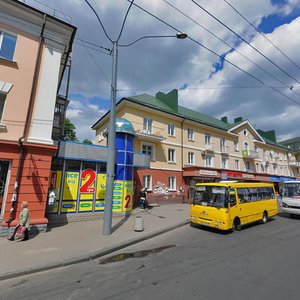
x=187, y=147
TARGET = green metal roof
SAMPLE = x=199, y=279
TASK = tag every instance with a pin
x=182, y=112
x=168, y=103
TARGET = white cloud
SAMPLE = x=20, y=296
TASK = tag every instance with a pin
x=154, y=64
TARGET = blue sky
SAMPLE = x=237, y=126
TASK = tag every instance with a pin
x=205, y=81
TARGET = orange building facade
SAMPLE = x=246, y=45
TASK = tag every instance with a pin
x=34, y=49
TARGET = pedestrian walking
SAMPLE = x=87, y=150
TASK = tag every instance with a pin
x=23, y=225
x=143, y=198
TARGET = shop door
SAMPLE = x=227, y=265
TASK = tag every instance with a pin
x=4, y=165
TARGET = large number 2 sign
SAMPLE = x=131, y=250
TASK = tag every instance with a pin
x=87, y=186
x=127, y=199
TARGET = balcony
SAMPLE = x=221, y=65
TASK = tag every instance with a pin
x=151, y=134
x=249, y=154
x=295, y=164
x=224, y=149
x=209, y=147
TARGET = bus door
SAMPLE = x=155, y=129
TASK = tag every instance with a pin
x=233, y=205
x=244, y=204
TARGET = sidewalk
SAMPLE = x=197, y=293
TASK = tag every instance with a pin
x=83, y=241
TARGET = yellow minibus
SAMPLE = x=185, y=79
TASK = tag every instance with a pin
x=230, y=205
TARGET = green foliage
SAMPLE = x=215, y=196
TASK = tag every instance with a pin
x=70, y=131
x=87, y=141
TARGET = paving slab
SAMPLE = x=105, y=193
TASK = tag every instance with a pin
x=82, y=241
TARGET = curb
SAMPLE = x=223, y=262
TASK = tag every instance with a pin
x=91, y=256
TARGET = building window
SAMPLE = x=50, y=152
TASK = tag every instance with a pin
x=224, y=162
x=248, y=166
x=171, y=129
x=2, y=101
x=245, y=132
x=275, y=169
x=236, y=145
x=147, y=182
x=7, y=45
x=148, y=149
x=191, y=158
x=207, y=139
x=237, y=164
x=223, y=145
x=172, y=183
x=209, y=161
x=257, y=167
x=246, y=146
x=190, y=134
x=147, y=126
x=171, y=155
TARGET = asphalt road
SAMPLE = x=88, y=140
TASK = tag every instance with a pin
x=260, y=262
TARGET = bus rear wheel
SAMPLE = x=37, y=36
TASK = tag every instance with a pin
x=265, y=218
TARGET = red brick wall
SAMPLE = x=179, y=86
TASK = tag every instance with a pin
x=160, y=177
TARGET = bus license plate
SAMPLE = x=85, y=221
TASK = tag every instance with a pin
x=205, y=223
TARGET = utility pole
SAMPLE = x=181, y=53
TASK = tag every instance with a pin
x=111, y=148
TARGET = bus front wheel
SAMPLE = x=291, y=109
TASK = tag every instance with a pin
x=265, y=218
x=236, y=225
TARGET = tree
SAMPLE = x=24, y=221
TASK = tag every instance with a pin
x=87, y=141
x=70, y=131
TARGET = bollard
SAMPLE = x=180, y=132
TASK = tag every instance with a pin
x=139, y=223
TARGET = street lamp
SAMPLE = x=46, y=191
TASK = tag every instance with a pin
x=111, y=157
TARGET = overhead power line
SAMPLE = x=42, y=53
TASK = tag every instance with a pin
x=230, y=46
x=262, y=34
x=124, y=21
x=210, y=50
x=97, y=16
x=240, y=37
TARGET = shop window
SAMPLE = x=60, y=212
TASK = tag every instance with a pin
x=101, y=168
x=72, y=165
x=57, y=164
x=88, y=165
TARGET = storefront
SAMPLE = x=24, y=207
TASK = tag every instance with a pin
x=78, y=177
x=4, y=169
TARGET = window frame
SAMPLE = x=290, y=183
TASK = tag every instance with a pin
x=147, y=125
x=173, y=156
x=236, y=145
x=2, y=33
x=173, y=182
x=152, y=155
x=224, y=158
x=171, y=129
x=211, y=160
x=147, y=184
x=191, y=158
x=208, y=139
x=190, y=134
x=3, y=107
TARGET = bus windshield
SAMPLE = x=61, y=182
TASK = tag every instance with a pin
x=292, y=189
x=210, y=196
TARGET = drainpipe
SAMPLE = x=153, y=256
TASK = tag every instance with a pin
x=182, y=133
x=14, y=199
